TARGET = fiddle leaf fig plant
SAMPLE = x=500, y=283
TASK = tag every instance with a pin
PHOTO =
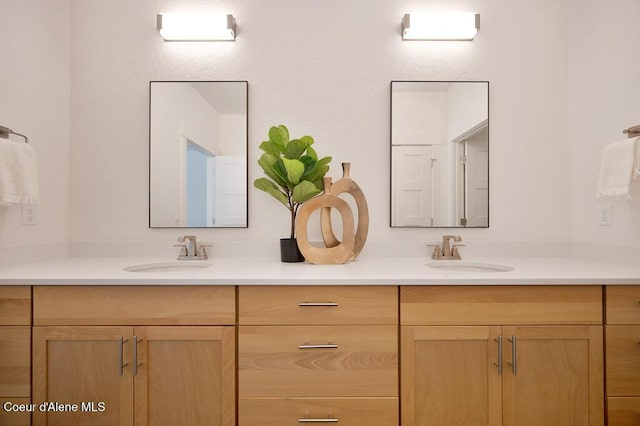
x=294, y=172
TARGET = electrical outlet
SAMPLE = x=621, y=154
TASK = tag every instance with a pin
x=605, y=215
x=29, y=215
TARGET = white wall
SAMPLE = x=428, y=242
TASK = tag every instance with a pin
x=233, y=134
x=321, y=69
x=419, y=117
x=35, y=100
x=317, y=67
x=604, y=99
x=467, y=105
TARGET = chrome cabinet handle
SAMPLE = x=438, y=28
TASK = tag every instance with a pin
x=307, y=419
x=307, y=304
x=325, y=346
x=499, y=364
x=514, y=355
x=135, y=355
x=121, y=364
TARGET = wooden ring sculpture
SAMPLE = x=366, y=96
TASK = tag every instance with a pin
x=346, y=184
x=340, y=252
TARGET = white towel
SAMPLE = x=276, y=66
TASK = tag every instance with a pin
x=620, y=164
x=18, y=173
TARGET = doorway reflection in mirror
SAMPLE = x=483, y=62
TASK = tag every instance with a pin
x=198, y=154
x=439, y=154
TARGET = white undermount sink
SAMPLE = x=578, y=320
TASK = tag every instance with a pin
x=460, y=265
x=180, y=265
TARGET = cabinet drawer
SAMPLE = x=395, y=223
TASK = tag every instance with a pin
x=500, y=305
x=134, y=305
x=15, y=305
x=624, y=411
x=14, y=418
x=330, y=305
x=623, y=360
x=623, y=304
x=15, y=361
x=283, y=361
x=344, y=411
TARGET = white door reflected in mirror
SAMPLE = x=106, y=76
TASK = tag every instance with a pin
x=440, y=154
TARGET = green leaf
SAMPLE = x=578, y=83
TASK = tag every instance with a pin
x=270, y=148
x=279, y=135
x=324, y=161
x=295, y=168
x=280, y=170
x=308, y=139
x=309, y=164
x=295, y=148
x=267, y=162
x=320, y=170
x=304, y=191
x=269, y=187
x=312, y=153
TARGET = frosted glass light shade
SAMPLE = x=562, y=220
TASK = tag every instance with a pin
x=440, y=26
x=196, y=27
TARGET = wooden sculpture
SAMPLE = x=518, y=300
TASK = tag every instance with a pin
x=347, y=185
x=338, y=253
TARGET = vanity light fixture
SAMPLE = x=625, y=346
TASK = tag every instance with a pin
x=196, y=27
x=440, y=26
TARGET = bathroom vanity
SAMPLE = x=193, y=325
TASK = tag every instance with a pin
x=437, y=348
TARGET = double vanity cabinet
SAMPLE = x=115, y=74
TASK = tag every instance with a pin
x=15, y=352
x=622, y=335
x=350, y=354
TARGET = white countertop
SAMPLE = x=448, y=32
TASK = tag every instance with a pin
x=372, y=271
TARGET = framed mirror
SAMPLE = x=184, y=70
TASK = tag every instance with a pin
x=440, y=154
x=198, y=154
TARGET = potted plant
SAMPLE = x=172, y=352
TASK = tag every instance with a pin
x=294, y=175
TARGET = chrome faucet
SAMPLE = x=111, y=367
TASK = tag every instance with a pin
x=190, y=249
x=448, y=251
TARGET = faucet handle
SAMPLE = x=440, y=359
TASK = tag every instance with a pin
x=183, y=250
x=202, y=251
x=437, y=253
x=455, y=253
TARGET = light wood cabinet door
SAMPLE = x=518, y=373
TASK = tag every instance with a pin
x=554, y=376
x=14, y=418
x=185, y=376
x=450, y=376
x=623, y=360
x=15, y=305
x=75, y=365
x=623, y=304
x=624, y=411
x=15, y=361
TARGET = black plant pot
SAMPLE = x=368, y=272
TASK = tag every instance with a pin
x=289, y=251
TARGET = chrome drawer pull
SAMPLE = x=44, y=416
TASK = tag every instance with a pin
x=325, y=346
x=307, y=419
x=514, y=355
x=121, y=364
x=499, y=364
x=136, y=365
x=305, y=304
